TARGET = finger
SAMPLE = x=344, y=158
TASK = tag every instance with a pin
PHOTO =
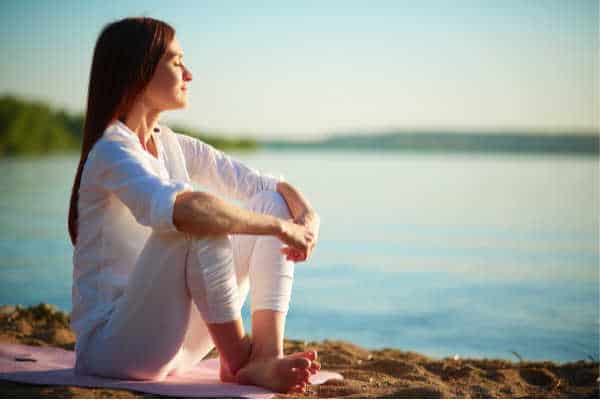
x=297, y=256
x=289, y=250
x=293, y=255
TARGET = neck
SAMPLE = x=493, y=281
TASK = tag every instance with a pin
x=142, y=120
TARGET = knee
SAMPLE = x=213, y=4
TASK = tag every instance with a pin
x=270, y=202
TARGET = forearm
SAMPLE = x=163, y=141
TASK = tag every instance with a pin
x=203, y=214
x=297, y=203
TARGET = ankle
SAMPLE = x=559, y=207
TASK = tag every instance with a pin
x=247, y=349
x=259, y=353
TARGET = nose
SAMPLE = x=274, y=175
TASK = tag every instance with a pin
x=187, y=74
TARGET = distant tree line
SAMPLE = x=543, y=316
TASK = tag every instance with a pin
x=241, y=144
x=33, y=128
x=28, y=127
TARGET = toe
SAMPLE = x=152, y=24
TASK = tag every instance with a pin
x=315, y=366
x=311, y=355
x=300, y=363
x=302, y=375
x=298, y=389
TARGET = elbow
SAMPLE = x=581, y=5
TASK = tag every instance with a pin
x=181, y=210
x=196, y=213
x=185, y=212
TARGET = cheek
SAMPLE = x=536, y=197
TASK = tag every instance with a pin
x=165, y=82
x=162, y=86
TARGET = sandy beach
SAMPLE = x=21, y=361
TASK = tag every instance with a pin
x=368, y=373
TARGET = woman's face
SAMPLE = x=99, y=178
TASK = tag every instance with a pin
x=167, y=90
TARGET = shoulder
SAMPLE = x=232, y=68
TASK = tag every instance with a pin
x=166, y=134
x=114, y=145
x=180, y=137
x=173, y=141
x=186, y=142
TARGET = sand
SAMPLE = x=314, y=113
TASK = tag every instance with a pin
x=368, y=373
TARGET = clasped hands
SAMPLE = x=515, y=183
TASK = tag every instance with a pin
x=300, y=235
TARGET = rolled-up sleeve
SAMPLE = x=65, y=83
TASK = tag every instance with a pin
x=120, y=169
x=221, y=173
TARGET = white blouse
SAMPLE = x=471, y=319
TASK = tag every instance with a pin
x=125, y=193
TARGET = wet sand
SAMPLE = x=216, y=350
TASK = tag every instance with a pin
x=367, y=373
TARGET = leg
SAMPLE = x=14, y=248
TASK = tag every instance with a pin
x=271, y=277
x=144, y=336
x=212, y=283
x=198, y=342
x=260, y=263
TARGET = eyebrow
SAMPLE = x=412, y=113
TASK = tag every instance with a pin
x=175, y=54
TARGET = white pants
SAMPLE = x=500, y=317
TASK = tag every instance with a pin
x=158, y=326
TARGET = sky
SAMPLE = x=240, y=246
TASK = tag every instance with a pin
x=308, y=69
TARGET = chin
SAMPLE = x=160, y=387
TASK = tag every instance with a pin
x=183, y=103
x=179, y=104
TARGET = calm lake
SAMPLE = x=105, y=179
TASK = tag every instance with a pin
x=475, y=255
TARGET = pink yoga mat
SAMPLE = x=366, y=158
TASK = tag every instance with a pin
x=54, y=366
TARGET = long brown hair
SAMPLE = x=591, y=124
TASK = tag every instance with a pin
x=125, y=58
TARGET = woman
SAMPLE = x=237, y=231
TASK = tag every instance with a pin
x=161, y=271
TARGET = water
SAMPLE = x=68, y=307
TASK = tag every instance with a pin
x=476, y=255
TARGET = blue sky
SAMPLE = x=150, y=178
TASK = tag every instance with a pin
x=305, y=69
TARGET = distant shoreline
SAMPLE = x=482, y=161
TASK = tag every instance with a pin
x=451, y=143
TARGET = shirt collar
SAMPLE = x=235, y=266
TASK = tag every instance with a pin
x=121, y=128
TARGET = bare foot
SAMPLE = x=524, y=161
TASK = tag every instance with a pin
x=312, y=356
x=278, y=374
x=226, y=376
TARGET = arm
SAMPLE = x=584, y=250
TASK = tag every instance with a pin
x=221, y=173
x=169, y=206
x=299, y=206
x=119, y=168
x=203, y=214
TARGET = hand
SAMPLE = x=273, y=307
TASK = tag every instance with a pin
x=311, y=221
x=296, y=236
